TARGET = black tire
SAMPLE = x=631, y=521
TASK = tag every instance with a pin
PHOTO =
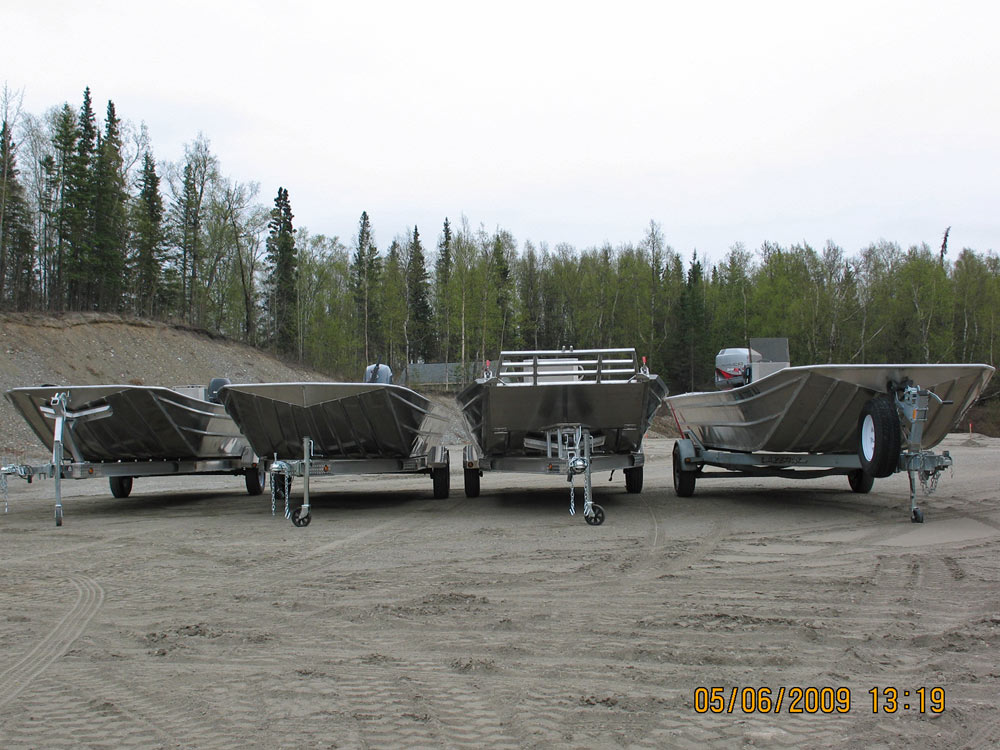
x=878, y=437
x=256, y=480
x=683, y=480
x=120, y=486
x=598, y=515
x=442, y=482
x=633, y=480
x=917, y=515
x=861, y=481
x=472, y=482
x=300, y=520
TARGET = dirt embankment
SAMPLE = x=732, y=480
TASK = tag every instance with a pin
x=93, y=349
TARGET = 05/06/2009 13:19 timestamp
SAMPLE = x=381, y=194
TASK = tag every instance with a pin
x=815, y=700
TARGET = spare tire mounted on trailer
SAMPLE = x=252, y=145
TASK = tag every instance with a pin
x=879, y=439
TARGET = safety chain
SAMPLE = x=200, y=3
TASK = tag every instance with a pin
x=288, y=491
x=280, y=476
x=281, y=472
x=578, y=447
x=929, y=481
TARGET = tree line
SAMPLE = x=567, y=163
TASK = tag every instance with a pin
x=90, y=222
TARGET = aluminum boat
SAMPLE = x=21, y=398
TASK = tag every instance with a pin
x=133, y=422
x=343, y=420
x=606, y=391
x=816, y=408
x=307, y=429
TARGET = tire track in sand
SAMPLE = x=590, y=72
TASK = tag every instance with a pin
x=90, y=597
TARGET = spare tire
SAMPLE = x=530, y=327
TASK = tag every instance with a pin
x=878, y=437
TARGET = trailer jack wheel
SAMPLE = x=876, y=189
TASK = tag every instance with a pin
x=59, y=516
x=300, y=519
x=598, y=516
x=917, y=515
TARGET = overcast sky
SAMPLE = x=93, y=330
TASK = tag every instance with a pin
x=571, y=122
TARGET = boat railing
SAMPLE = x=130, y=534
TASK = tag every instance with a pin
x=549, y=366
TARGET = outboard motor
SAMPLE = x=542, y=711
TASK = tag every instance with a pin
x=378, y=373
x=214, y=386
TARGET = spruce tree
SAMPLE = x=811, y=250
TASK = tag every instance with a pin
x=147, y=240
x=110, y=226
x=693, y=352
x=281, y=255
x=418, y=302
x=442, y=287
x=79, y=210
x=64, y=140
x=16, y=240
x=188, y=226
x=393, y=309
x=365, y=272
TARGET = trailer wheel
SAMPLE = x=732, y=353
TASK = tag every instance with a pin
x=861, y=481
x=120, y=486
x=597, y=515
x=879, y=437
x=442, y=482
x=472, y=482
x=59, y=516
x=256, y=479
x=683, y=480
x=300, y=519
x=917, y=515
x=633, y=480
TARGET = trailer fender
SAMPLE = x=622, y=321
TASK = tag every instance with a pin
x=688, y=454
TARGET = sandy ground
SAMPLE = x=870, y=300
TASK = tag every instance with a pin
x=188, y=616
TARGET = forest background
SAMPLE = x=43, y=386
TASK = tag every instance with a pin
x=90, y=222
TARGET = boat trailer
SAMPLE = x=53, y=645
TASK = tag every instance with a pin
x=889, y=439
x=566, y=412
x=437, y=463
x=119, y=473
x=569, y=452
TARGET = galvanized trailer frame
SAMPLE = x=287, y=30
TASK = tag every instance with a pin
x=600, y=402
x=910, y=405
x=437, y=463
x=59, y=468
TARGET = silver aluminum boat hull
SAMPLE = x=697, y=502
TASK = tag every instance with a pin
x=344, y=420
x=500, y=416
x=143, y=423
x=816, y=408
